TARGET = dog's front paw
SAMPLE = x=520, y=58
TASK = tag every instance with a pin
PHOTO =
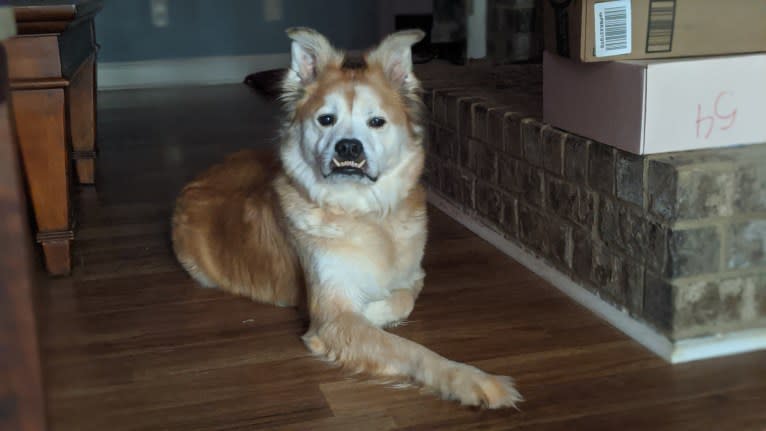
x=379, y=313
x=314, y=344
x=473, y=387
x=390, y=311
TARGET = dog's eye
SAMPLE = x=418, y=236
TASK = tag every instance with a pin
x=376, y=122
x=326, y=120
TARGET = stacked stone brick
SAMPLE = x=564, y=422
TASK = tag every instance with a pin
x=675, y=240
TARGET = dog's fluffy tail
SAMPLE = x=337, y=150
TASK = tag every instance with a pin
x=350, y=340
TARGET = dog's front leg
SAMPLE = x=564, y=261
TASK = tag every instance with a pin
x=339, y=333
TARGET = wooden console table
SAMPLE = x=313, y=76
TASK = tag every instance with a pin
x=53, y=90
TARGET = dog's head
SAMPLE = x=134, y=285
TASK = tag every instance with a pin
x=353, y=136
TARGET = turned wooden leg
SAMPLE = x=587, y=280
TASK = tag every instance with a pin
x=41, y=131
x=81, y=104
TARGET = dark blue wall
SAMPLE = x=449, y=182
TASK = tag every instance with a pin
x=200, y=28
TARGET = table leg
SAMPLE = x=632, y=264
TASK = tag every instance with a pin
x=81, y=97
x=41, y=130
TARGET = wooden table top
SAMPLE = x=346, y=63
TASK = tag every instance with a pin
x=52, y=16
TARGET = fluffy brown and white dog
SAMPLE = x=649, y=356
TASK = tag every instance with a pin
x=338, y=219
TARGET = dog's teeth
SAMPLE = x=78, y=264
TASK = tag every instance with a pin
x=347, y=163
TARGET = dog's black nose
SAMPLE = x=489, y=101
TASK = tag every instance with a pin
x=349, y=149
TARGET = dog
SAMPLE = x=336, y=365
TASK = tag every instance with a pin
x=337, y=220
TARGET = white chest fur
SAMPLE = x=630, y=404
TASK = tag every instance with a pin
x=361, y=258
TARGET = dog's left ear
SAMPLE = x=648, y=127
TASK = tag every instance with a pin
x=394, y=55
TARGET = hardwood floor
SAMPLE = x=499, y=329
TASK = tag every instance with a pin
x=131, y=343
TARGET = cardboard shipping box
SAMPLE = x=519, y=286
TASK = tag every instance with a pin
x=601, y=30
x=659, y=106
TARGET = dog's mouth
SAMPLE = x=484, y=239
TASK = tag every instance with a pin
x=357, y=168
x=348, y=167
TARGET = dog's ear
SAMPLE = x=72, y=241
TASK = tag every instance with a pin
x=394, y=55
x=310, y=53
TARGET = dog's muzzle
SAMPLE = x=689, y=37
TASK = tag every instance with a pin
x=349, y=159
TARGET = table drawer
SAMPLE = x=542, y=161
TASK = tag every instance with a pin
x=33, y=57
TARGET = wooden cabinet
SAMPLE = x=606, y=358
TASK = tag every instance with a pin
x=53, y=86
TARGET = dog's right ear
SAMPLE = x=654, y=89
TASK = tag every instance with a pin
x=310, y=53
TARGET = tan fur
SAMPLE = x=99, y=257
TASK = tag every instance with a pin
x=228, y=230
x=254, y=228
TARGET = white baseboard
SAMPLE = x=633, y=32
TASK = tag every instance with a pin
x=719, y=345
x=185, y=71
x=681, y=351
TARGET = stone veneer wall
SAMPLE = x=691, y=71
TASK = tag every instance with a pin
x=675, y=240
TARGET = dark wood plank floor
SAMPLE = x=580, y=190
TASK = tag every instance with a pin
x=130, y=343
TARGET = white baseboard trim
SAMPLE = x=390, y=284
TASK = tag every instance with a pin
x=681, y=351
x=185, y=71
x=731, y=343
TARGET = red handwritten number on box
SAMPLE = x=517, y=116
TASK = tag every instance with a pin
x=708, y=122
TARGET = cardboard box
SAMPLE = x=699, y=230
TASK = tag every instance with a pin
x=659, y=106
x=601, y=30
